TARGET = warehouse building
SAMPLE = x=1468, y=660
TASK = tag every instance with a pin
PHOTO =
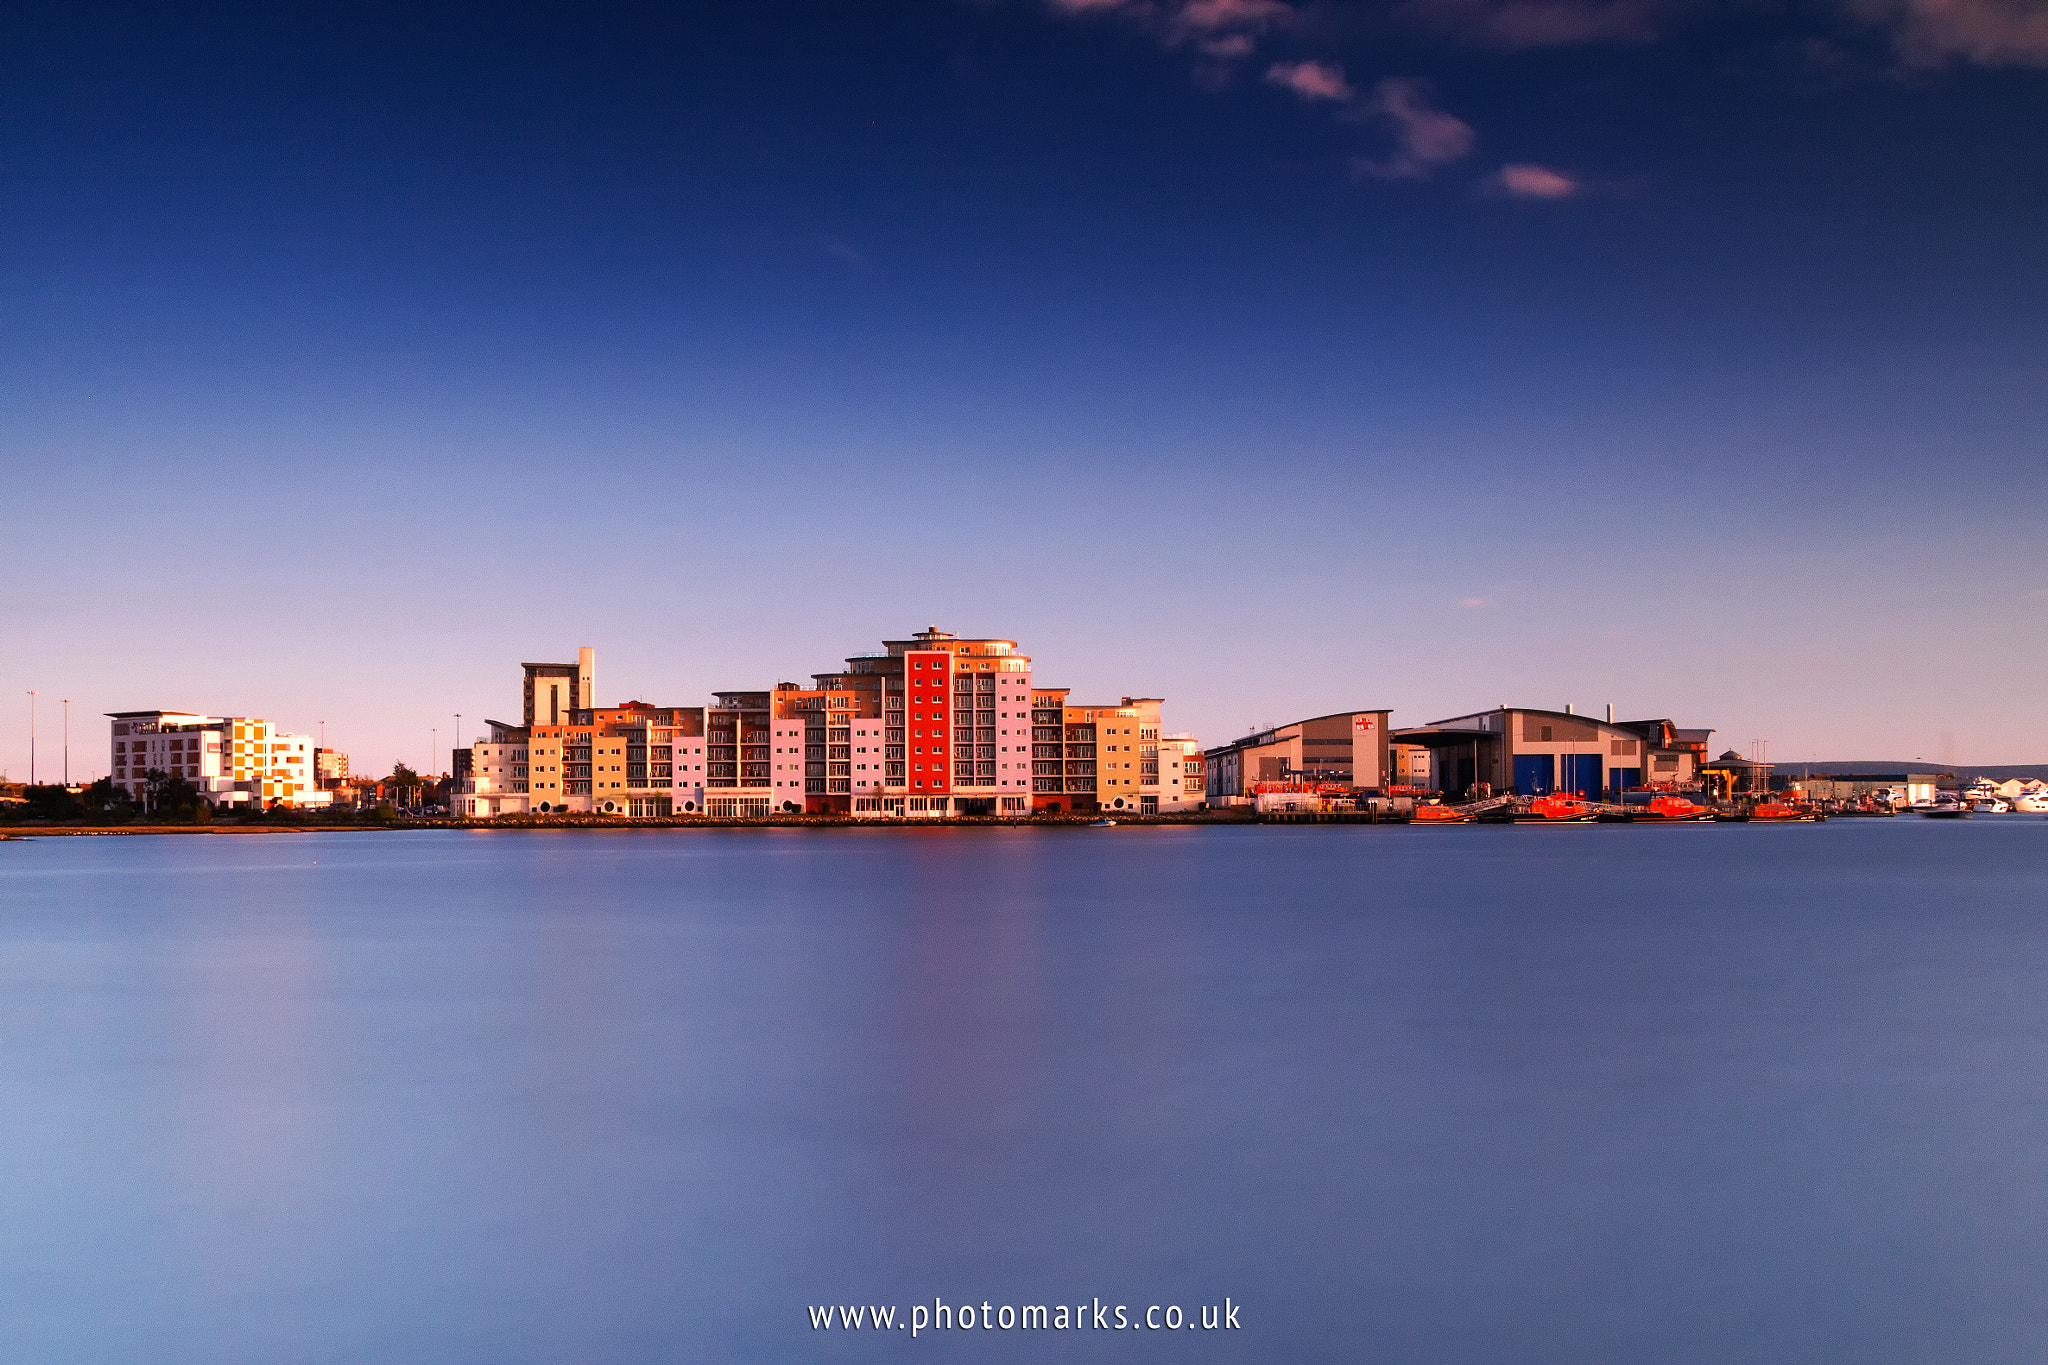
x=1345, y=748
x=1532, y=752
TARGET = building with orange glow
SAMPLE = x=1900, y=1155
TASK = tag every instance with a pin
x=933, y=725
x=1346, y=748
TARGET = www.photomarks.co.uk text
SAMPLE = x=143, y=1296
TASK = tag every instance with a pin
x=1095, y=1315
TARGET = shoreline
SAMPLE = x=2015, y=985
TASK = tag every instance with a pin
x=543, y=825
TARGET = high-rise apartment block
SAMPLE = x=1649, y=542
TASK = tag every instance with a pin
x=934, y=724
x=553, y=691
x=231, y=760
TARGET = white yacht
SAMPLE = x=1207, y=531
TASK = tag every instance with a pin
x=2034, y=803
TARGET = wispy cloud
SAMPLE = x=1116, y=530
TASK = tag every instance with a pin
x=1534, y=182
x=1311, y=80
x=1425, y=137
x=1223, y=29
x=1475, y=603
x=1541, y=23
x=1989, y=32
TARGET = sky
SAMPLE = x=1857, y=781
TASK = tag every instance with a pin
x=1272, y=358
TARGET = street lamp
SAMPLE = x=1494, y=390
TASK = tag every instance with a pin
x=31, y=736
x=67, y=741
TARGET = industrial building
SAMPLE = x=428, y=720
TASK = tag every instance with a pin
x=1345, y=748
x=1533, y=752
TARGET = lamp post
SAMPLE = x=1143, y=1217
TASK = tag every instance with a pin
x=31, y=736
x=67, y=741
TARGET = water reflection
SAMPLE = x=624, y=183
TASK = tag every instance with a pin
x=1689, y=1096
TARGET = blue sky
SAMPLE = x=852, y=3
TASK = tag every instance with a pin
x=1272, y=358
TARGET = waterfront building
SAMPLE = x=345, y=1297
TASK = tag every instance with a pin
x=932, y=725
x=946, y=723
x=1181, y=779
x=230, y=760
x=554, y=691
x=1860, y=786
x=635, y=759
x=1345, y=748
x=1532, y=752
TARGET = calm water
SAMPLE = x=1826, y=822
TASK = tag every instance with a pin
x=1700, y=1094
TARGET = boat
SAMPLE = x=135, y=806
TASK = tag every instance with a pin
x=1441, y=815
x=1103, y=824
x=1942, y=810
x=1994, y=806
x=1783, y=811
x=2033, y=803
x=1557, y=809
x=1670, y=808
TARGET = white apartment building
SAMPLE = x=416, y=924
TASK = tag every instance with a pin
x=231, y=760
x=1181, y=782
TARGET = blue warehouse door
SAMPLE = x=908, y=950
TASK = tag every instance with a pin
x=1620, y=780
x=1535, y=774
x=1582, y=775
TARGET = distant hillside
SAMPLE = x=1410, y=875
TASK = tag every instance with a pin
x=1995, y=771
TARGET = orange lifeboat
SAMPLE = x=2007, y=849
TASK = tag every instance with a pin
x=1674, y=808
x=1781, y=811
x=1560, y=808
x=1440, y=815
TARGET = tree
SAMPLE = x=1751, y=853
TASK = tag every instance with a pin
x=103, y=798
x=53, y=802
x=165, y=795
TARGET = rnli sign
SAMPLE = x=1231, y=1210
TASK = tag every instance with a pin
x=1362, y=723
